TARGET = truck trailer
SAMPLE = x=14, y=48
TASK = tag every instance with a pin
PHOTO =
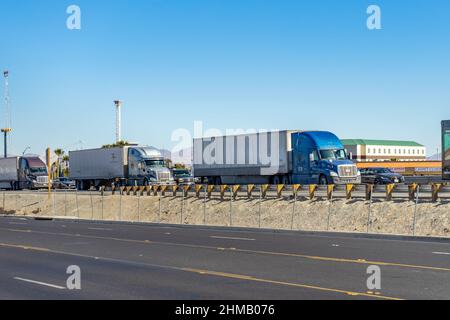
x=18, y=173
x=120, y=166
x=276, y=157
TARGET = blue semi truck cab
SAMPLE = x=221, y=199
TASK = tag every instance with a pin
x=319, y=157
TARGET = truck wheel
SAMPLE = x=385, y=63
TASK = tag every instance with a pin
x=276, y=180
x=323, y=181
x=285, y=180
x=146, y=183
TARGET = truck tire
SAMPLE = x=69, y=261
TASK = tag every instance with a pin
x=276, y=180
x=323, y=181
x=146, y=183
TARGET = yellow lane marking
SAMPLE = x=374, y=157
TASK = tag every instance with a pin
x=208, y=272
x=6, y=245
x=290, y=284
x=295, y=255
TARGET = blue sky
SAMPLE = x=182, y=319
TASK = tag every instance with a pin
x=278, y=64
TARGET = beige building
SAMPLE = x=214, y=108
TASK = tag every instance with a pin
x=385, y=150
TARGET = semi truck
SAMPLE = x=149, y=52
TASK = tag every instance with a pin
x=18, y=173
x=276, y=157
x=446, y=150
x=132, y=165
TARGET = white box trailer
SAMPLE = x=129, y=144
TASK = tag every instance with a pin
x=9, y=169
x=246, y=158
x=96, y=164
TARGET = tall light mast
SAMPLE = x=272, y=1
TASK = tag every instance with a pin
x=118, y=104
x=7, y=128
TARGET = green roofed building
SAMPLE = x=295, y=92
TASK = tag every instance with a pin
x=385, y=150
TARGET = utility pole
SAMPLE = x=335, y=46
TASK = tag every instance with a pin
x=7, y=129
x=118, y=104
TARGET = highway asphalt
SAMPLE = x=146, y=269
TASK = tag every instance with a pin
x=126, y=261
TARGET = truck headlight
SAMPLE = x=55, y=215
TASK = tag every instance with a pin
x=334, y=174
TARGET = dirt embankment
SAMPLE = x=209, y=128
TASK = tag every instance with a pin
x=432, y=219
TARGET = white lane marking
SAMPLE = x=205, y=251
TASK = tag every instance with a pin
x=442, y=253
x=231, y=238
x=336, y=245
x=19, y=223
x=40, y=283
x=100, y=229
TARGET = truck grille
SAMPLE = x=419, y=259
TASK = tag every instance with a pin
x=163, y=176
x=42, y=179
x=348, y=171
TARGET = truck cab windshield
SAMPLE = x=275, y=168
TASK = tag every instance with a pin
x=333, y=154
x=155, y=163
x=39, y=171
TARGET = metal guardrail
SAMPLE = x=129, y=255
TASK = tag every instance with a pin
x=434, y=191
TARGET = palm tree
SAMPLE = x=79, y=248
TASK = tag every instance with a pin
x=59, y=153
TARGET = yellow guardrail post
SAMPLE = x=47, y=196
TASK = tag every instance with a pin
x=198, y=190
x=330, y=190
x=155, y=190
x=148, y=190
x=113, y=190
x=250, y=189
x=280, y=188
x=186, y=190
x=235, y=189
x=129, y=190
x=122, y=190
x=163, y=190
x=435, y=189
x=141, y=191
x=174, y=190
x=223, y=189
x=348, y=191
x=369, y=192
x=209, y=190
x=264, y=188
x=312, y=191
x=135, y=191
x=412, y=189
x=389, y=191
x=295, y=189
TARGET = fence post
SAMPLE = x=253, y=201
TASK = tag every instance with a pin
x=260, y=206
x=204, y=205
x=198, y=190
x=120, y=205
x=295, y=189
x=65, y=202
x=139, y=207
x=330, y=189
x=76, y=201
x=92, y=206
x=369, y=197
x=231, y=206
x=102, y=199
x=415, y=209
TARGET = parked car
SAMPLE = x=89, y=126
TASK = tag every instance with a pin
x=63, y=183
x=183, y=176
x=380, y=176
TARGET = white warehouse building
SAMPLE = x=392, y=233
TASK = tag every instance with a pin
x=363, y=150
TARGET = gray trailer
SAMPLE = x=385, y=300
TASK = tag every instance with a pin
x=246, y=158
x=17, y=173
x=121, y=166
